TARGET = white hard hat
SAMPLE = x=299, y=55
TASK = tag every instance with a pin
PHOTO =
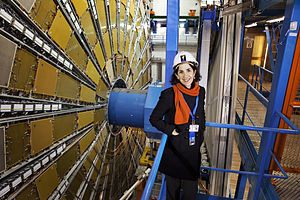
x=183, y=57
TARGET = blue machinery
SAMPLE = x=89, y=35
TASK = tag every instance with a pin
x=132, y=108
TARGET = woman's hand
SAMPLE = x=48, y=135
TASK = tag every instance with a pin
x=175, y=132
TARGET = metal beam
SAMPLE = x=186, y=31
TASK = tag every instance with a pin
x=288, y=38
x=172, y=38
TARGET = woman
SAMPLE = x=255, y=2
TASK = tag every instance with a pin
x=184, y=123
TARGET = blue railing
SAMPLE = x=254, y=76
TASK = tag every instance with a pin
x=295, y=131
x=257, y=79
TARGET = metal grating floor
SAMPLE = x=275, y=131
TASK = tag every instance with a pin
x=288, y=189
x=291, y=154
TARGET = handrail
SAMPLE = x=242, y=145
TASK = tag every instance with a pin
x=286, y=120
x=248, y=116
x=262, y=99
x=152, y=176
x=263, y=69
x=154, y=169
x=253, y=128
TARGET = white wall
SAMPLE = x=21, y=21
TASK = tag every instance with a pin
x=160, y=7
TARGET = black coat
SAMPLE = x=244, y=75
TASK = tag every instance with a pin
x=179, y=159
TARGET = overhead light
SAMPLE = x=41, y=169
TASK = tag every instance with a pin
x=18, y=26
x=46, y=48
x=251, y=25
x=54, y=53
x=275, y=20
x=61, y=59
x=5, y=16
x=68, y=8
x=29, y=34
x=72, y=17
x=38, y=41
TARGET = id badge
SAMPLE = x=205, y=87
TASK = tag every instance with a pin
x=192, y=140
x=194, y=128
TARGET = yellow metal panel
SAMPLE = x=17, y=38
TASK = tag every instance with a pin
x=7, y=55
x=92, y=72
x=75, y=51
x=47, y=182
x=17, y=147
x=107, y=45
x=130, y=80
x=104, y=134
x=63, y=125
x=88, y=27
x=99, y=55
x=145, y=77
x=96, y=170
x=142, y=40
x=129, y=21
x=144, y=59
x=98, y=146
x=67, y=161
x=2, y=149
x=60, y=31
x=112, y=11
x=122, y=15
x=80, y=6
x=46, y=78
x=126, y=68
x=115, y=40
x=87, y=94
x=43, y=13
x=138, y=23
x=132, y=46
x=132, y=7
x=86, y=141
x=29, y=193
x=258, y=50
x=85, y=118
x=74, y=186
x=119, y=63
x=67, y=87
x=41, y=134
x=109, y=69
x=101, y=13
x=127, y=45
x=89, y=161
x=101, y=89
x=99, y=115
x=23, y=71
x=121, y=41
x=88, y=190
x=124, y=2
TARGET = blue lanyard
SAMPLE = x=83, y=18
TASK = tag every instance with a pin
x=195, y=108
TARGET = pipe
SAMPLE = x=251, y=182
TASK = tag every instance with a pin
x=126, y=107
x=154, y=169
x=128, y=192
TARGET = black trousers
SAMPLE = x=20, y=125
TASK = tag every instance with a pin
x=190, y=188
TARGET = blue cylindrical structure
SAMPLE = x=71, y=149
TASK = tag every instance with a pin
x=126, y=107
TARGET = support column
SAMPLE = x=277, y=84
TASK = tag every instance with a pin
x=172, y=38
x=285, y=54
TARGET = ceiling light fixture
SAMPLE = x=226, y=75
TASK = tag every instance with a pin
x=251, y=25
x=275, y=20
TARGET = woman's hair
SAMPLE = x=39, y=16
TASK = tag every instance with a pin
x=174, y=79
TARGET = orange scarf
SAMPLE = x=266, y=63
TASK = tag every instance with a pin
x=182, y=112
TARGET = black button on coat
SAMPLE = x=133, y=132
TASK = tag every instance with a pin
x=179, y=159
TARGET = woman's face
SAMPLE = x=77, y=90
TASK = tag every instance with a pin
x=185, y=74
